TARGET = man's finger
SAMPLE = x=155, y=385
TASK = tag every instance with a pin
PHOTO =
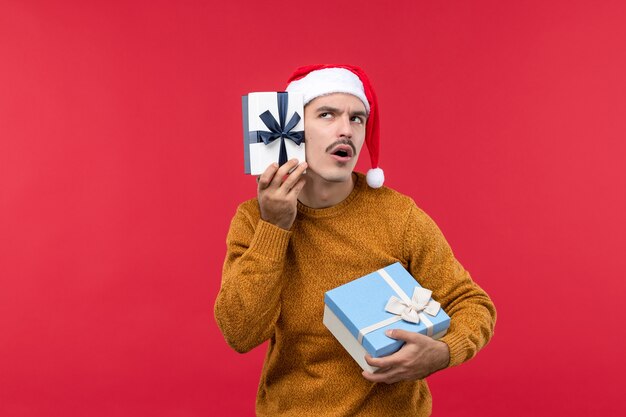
x=283, y=171
x=388, y=377
x=298, y=187
x=383, y=363
x=294, y=177
x=400, y=334
x=266, y=177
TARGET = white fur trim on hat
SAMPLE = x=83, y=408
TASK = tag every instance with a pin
x=328, y=81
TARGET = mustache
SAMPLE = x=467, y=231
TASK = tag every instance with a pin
x=342, y=142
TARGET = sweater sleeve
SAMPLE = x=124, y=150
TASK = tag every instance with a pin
x=432, y=263
x=248, y=303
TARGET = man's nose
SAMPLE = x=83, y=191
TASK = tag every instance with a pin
x=345, y=127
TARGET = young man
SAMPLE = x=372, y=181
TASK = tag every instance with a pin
x=317, y=225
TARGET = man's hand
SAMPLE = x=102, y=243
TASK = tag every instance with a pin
x=419, y=357
x=278, y=193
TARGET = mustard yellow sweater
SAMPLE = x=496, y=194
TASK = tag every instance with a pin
x=273, y=287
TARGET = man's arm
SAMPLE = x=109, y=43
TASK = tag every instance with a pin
x=472, y=314
x=248, y=304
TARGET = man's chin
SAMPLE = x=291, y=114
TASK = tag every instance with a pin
x=337, y=177
x=333, y=177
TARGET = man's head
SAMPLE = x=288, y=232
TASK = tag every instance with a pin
x=340, y=114
x=335, y=133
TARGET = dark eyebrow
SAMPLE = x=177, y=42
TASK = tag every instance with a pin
x=360, y=113
x=329, y=109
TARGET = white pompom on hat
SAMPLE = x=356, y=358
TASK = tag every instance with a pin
x=318, y=80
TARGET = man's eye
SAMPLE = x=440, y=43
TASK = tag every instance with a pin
x=325, y=115
x=357, y=119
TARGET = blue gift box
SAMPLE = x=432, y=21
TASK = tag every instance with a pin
x=359, y=305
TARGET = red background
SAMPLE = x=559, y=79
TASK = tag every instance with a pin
x=121, y=167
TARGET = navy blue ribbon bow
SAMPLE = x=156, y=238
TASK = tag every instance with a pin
x=280, y=130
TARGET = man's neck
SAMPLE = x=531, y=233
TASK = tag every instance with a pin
x=319, y=193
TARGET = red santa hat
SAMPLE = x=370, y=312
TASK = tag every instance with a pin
x=318, y=80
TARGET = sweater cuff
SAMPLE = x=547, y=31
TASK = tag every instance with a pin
x=458, y=345
x=270, y=241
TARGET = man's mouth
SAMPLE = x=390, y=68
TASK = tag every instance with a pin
x=342, y=152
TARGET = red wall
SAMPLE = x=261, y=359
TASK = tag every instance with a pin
x=121, y=166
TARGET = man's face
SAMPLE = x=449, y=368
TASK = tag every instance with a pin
x=334, y=127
